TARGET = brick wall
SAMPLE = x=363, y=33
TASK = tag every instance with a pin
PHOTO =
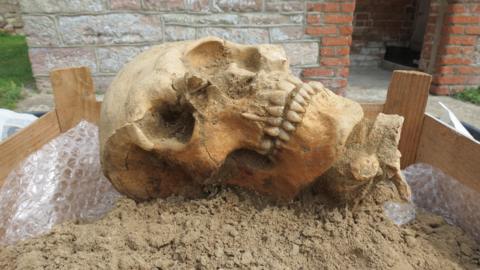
x=380, y=22
x=457, y=62
x=10, y=18
x=104, y=34
x=331, y=23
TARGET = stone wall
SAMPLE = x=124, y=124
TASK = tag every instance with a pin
x=104, y=34
x=457, y=61
x=10, y=17
x=378, y=23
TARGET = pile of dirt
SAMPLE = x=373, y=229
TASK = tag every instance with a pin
x=235, y=229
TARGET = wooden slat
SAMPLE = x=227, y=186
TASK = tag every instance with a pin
x=407, y=96
x=17, y=147
x=371, y=110
x=92, y=111
x=74, y=95
x=444, y=148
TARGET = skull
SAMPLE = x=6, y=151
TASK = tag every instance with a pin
x=188, y=114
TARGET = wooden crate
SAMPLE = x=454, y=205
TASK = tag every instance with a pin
x=424, y=139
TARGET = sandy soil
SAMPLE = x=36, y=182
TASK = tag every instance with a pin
x=233, y=229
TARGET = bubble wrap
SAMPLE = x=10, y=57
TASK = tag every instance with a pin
x=61, y=181
x=439, y=193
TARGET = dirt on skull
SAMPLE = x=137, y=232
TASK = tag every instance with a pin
x=233, y=229
x=184, y=115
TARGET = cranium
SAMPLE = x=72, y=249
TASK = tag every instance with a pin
x=187, y=114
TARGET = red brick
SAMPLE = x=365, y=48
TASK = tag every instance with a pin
x=320, y=30
x=327, y=51
x=350, y=7
x=317, y=72
x=338, y=19
x=457, y=8
x=314, y=7
x=445, y=70
x=344, y=72
x=330, y=61
x=336, y=41
x=439, y=90
x=346, y=30
x=461, y=40
x=475, y=8
x=331, y=7
x=454, y=61
x=342, y=51
x=450, y=79
x=313, y=19
x=454, y=29
x=465, y=19
x=457, y=50
x=472, y=30
x=468, y=70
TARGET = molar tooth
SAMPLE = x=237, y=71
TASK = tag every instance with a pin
x=272, y=131
x=283, y=135
x=286, y=86
x=294, y=80
x=309, y=89
x=295, y=106
x=275, y=110
x=293, y=117
x=266, y=144
x=274, y=121
x=288, y=126
x=253, y=117
x=303, y=92
x=298, y=98
x=278, y=97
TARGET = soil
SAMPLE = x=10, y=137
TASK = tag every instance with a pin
x=232, y=229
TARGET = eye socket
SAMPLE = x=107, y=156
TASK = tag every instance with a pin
x=169, y=122
x=177, y=122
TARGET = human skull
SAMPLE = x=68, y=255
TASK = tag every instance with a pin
x=188, y=114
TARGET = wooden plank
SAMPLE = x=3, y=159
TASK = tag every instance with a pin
x=73, y=94
x=92, y=111
x=26, y=141
x=407, y=96
x=371, y=110
x=444, y=148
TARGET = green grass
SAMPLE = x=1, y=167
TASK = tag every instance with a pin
x=15, y=69
x=471, y=95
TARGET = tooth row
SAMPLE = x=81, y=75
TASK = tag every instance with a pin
x=281, y=124
x=282, y=127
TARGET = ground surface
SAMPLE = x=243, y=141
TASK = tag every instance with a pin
x=370, y=84
x=236, y=230
x=15, y=70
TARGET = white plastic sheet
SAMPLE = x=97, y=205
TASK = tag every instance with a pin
x=11, y=122
x=61, y=181
x=443, y=195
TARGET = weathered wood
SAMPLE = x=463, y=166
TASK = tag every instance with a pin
x=92, y=111
x=74, y=95
x=26, y=141
x=454, y=154
x=371, y=110
x=407, y=96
